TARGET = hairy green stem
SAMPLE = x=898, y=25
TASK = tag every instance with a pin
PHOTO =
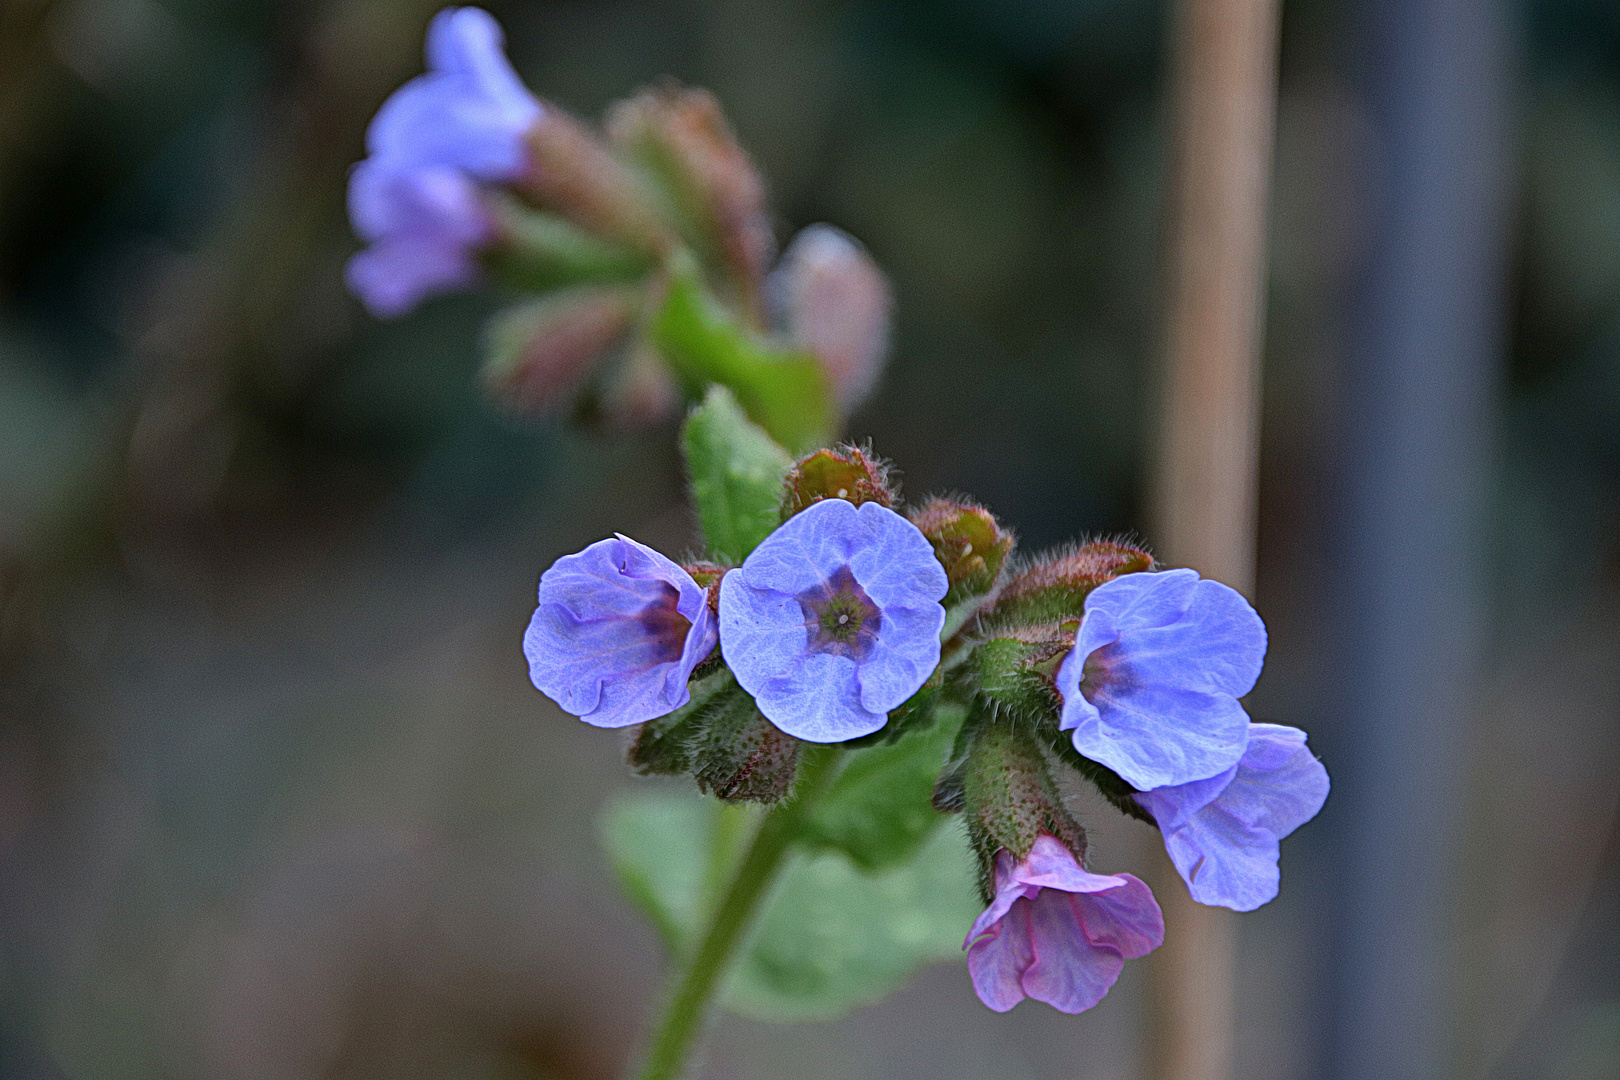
x=693, y=992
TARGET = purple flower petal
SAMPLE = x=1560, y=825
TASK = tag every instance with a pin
x=416, y=198
x=1056, y=933
x=469, y=110
x=1151, y=686
x=834, y=619
x=1222, y=833
x=617, y=632
x=426, y=227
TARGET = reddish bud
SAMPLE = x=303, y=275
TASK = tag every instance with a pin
x=971, y=545
x=572, y=172
x=538, y=353
x=642, y=391
x=829, y=297
x=683, y=138
x=845, y=473
x=1055, y=588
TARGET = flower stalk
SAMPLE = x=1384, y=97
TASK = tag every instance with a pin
x=696, y=985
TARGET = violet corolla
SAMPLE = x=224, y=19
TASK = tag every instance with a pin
x=1056, y=933
x=1150, y=688
x=617, y=632
x=416, y=198
x=834, y=619
x=1222, y=832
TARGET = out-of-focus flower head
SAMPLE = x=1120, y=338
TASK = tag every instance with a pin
x=834, y=619
x=1056, y=933
x=1150, y=688
x=828, y=296
x=617, y=632
x=1222, y=832
x=416, y=199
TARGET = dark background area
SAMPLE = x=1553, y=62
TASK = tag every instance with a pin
x=276, y=798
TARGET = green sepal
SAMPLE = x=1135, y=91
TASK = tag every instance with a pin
x=970, y=544
x=785, y=392
x=738, y=755
x=536, y=250
x=1008, y=797
x=847, y=472
x=736, y=473
x=663, y=747
x=1016, y=676
x=1055, y=587
x=878, y=811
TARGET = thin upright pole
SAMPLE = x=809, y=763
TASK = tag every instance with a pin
x=1224, y=85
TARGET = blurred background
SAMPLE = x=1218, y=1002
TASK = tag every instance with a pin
x=276, y=797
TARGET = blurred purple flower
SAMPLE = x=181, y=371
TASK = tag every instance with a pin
x=1222, y=832
x=834, y=619
x=1057, y=933
x=617, y=633
x=415, y=198
x=1151, y=687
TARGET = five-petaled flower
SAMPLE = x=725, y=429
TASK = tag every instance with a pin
x=834, y=619
x=1222, y=832
x=616, y=635
x=1057, y=933
x=416, y=198
x=1150, y=688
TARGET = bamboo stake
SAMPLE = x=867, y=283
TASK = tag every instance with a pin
x=1224, y=82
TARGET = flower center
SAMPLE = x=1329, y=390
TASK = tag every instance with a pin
x=666, y=627
x=840, y=618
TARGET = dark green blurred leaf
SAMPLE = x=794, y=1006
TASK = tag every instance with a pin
x=785, y=392
x=878, y=810
x=736, y=472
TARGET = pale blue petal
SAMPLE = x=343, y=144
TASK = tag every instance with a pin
x=1226, y=847
x=1150, y=688
x=592, y=647
x=818, y=700
x=906, y=655
x=894, y=561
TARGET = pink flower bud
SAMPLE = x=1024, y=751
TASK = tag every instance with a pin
x=829, y=297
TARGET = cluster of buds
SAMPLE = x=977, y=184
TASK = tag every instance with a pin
x=855, y=619
x=470, y=176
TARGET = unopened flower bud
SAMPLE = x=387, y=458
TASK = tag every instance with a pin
x=539, y=352
x=641, y=392
x=827, y=295
x=571, y=171
x=971, y=545
x=683, y=138
x=1055, y=587
x=847, y=473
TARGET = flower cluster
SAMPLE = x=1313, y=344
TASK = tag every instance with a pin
x=468, y=175
x=853, y=621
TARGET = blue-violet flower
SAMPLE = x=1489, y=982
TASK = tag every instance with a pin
x=1150, y=688
x=1222, y=832
x=616, y=635
x=834, y=619
x=1057, y=933
x=415, y=199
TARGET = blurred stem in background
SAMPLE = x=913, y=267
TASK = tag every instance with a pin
x=1224, y=87
x=1426, y=339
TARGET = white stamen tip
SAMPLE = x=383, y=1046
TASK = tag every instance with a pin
x=843, y=493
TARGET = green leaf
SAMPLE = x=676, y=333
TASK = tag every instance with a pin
x=658, y=844
x=785, y=392
x=830, y=938
x=736, y=471
x=879, y=810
